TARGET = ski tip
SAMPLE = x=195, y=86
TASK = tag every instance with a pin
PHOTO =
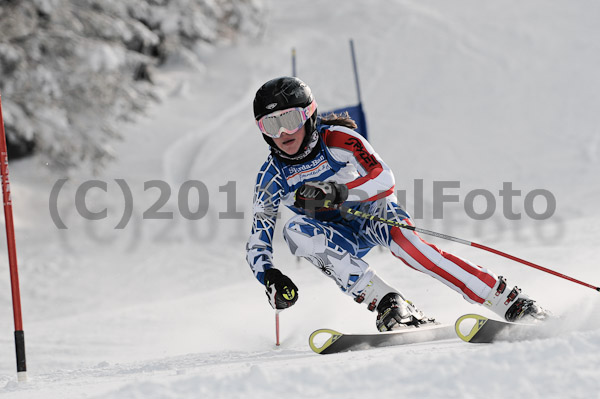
x=334, y=335
x=472, y=324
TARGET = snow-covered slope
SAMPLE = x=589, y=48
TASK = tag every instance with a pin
x=480, y=93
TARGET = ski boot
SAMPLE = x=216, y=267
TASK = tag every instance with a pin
x=514, y=306
x=395, y=313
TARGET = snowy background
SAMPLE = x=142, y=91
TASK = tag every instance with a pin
x=477, y=92
x=73, y=70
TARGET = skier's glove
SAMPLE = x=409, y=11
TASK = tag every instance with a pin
x=281, y=291
x=316, y=194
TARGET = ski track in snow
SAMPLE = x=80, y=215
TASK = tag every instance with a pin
x=297, y=373
x=484, y=93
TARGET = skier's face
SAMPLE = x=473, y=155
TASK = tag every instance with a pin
x=290, y=143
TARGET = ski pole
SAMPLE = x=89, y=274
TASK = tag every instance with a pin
x=459, y=240
x=277, y=327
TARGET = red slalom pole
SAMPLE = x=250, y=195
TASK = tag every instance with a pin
x=461, y=241
x=12, y=256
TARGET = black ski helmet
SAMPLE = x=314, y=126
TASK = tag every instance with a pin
x=283, y=93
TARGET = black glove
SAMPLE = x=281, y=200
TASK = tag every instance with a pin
x=316, y=194
x=281, y=291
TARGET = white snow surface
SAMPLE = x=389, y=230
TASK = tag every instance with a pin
x=477, y=92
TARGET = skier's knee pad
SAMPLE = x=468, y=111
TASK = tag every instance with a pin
x=303, y=238
x=309, y=239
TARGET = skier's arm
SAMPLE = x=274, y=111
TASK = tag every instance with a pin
x=267, y=196
x=376, y=178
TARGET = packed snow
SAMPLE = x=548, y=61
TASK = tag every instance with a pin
x=160, y=306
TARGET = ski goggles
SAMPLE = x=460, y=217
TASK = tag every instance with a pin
x=288, y=120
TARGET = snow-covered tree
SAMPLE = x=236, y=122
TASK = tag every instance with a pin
x=71, y=70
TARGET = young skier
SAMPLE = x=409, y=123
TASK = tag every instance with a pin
x=314, y=162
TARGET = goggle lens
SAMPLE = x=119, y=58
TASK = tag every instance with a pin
x=287, y=120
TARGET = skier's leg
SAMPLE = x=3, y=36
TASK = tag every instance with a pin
x=333, y=248
x=475, y=283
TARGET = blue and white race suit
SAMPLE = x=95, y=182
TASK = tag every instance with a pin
x=336, y=242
